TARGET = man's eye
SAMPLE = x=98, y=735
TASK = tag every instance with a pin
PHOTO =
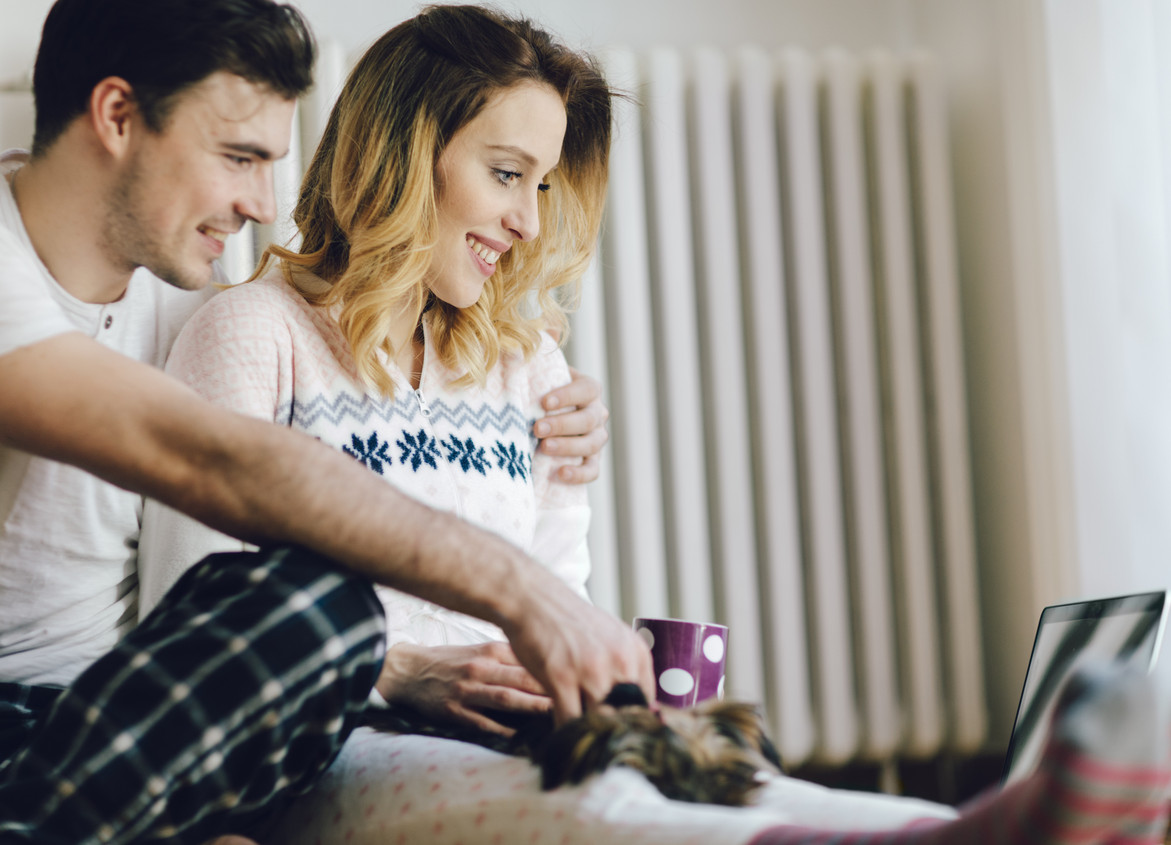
x=239, y=161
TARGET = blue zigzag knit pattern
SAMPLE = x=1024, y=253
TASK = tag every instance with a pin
x=486, y=440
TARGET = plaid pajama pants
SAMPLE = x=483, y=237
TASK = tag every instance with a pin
x=228, y=700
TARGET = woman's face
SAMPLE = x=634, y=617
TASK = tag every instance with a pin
x=490, y=176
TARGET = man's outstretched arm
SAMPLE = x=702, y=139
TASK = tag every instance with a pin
x=72, y=400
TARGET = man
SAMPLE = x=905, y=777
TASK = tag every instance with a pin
x=157, y=125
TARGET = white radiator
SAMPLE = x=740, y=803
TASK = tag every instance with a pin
x=775, y=310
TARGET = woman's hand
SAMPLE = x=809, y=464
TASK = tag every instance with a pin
x=579, y=431
x=457, y=683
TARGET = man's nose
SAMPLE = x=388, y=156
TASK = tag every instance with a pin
x=259, y=202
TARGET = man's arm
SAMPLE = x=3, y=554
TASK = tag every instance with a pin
x=72, y=400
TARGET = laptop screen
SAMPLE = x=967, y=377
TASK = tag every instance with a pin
x=1127, y=628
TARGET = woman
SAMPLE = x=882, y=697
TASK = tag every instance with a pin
x=394, y=336
x=409, y=330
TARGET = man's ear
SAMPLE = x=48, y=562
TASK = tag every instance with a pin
x=112, y=113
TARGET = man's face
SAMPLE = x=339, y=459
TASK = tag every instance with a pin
x=182, y=191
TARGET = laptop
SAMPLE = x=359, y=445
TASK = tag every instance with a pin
x=1121, y=628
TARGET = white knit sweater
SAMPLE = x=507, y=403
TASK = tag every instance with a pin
x=262, y=350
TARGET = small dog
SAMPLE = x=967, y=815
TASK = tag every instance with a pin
x=714, y=753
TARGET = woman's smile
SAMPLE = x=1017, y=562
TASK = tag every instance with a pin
x=486, y=256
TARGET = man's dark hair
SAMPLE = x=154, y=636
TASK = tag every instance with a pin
x=162, y=48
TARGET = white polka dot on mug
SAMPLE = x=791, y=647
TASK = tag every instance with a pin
x=688, y=657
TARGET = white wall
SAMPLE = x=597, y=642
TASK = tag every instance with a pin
x=645, y=22
x=19, y=36
x=355, y=23
x=1114, y=247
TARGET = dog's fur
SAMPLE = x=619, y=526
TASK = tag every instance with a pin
x=713, y=753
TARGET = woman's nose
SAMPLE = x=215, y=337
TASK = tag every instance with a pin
x=523, y=219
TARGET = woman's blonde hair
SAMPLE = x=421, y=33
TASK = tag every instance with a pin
x=367, y=211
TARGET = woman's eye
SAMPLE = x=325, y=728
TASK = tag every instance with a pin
x=506, y=177
x=543, y=187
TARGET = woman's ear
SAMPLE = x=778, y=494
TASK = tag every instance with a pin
x=112, y=113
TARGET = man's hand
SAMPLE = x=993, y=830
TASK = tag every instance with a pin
x=456, y=683
x=578, y=432
x=577, y=651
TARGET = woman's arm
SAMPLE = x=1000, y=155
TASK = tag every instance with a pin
x=227, y=366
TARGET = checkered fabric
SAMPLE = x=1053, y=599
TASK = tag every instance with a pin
x=232, y=697
x=21, y=707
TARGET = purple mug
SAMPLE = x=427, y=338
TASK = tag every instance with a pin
x=688, y=658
